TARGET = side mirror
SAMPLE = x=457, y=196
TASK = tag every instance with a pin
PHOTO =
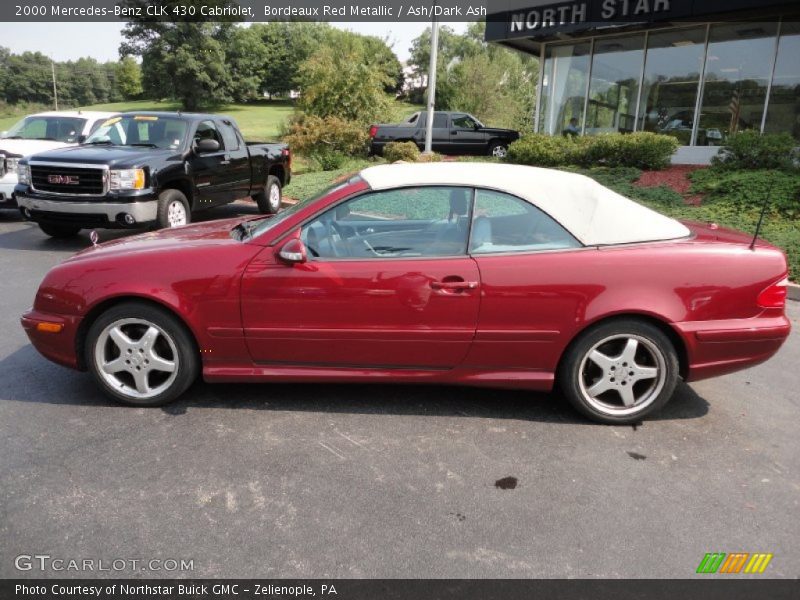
x=206, y=146
x=82, y=138
x=293, y=252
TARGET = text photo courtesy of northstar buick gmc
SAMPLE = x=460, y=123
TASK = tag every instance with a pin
x=150, y=168
x=445, y=273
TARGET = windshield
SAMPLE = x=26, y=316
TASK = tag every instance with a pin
x=267, y=224
x=141, y=130
x=56, y=129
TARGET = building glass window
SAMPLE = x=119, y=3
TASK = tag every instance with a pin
x=671, y=82
x=783, y=113
x=563, y=88
x=738, y=67
x=614, y=89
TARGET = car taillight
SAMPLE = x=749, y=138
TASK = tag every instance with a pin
x=775, y=295
x=287, y=154
x=373, y=131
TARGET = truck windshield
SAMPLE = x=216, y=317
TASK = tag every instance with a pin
x=141, y=130
x=56, y=129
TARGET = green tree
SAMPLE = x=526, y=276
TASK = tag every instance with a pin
x=341, y=82
x=190, y=56
x=128, y=78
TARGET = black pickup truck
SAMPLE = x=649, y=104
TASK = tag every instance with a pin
x=453, y=133
x=150, y=168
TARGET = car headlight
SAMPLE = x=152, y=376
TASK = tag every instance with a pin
x=11, y=164
x=24, y=174
x=126, y=179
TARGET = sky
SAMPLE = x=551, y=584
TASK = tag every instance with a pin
x=69, y=41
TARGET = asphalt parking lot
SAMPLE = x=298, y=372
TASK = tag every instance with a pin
x=384, y=481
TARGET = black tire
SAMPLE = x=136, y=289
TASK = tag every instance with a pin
x=268, y=202
x=653, y=352
x=186, y=359
x=59, y=231
x=498, y=149
x=165, y=200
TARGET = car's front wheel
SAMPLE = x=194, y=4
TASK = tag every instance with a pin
x=498, y=150
x=173, y=209
x=141, y=355
x=620, y=371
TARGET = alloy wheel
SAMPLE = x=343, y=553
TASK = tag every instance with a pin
x=136, y=358
x=176, y=214
x=622, y=374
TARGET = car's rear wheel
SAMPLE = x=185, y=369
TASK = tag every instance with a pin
x=141, y=354
x=269, y=199
x=620, y=371
x=59, y=231
x=498, y=149
x=173, y=209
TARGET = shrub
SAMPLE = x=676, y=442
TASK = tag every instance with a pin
x=432, y=157
x=407, y=151
x=747, y=190
x=328, y=160
x=751, y=150
x=641, y=150
x=311, y=135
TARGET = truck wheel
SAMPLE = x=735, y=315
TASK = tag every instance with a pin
x=269, y=199
x=173, y=209
x=59, y=231
x=498, y=149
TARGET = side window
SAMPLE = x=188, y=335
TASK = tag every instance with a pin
x=463, y=122
x=229, y=136
x=405, y=222
x=504, y=223
x=96, y=125
x=439, y=120
x=207, y=130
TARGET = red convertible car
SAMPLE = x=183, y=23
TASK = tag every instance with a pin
x=469, y=274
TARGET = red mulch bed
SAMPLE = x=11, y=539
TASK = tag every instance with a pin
x=675, y=177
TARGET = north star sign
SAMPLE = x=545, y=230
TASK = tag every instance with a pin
x=559, y=15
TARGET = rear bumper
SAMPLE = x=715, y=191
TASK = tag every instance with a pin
x=58, y=347
x=88, y=214
x=720, y=347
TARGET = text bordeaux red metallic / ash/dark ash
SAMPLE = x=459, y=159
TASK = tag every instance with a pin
x=470, y=274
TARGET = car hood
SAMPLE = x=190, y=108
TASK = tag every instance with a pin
x=165, y=241
x=498, y=130
x=27, y=147
x=112, y=156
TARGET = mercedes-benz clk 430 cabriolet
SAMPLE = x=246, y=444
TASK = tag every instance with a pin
x=469, y=274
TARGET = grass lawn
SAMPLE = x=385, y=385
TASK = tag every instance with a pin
x=259, y=121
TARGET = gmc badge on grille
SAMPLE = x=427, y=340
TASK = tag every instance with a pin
x=63, y=179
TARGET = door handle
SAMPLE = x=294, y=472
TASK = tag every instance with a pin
x=453, y=133
x=454, y=285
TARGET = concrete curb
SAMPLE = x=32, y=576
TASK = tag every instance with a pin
x=794, y=292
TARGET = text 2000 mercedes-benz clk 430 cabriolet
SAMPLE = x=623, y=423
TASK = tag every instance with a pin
x=472, y=274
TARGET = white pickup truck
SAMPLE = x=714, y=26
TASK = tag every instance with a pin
x=37, y=133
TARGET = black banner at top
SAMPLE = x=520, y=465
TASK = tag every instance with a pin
x=242, y=10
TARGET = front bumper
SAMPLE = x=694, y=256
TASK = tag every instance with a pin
x=7, y=184
x=720, y=347
x=91, y=213
x=58, y=347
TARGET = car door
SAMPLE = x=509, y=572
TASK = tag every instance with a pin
x=388, y=284
x=237, y=175
x=209, y=169
x=531, y=280
x=466, y=137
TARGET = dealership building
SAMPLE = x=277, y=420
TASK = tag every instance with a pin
x=698, y=70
